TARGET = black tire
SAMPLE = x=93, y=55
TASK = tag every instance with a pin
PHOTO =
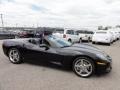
x=69, y=40
x=18, y=55
x=112, y=42
x=93, y=42
x=80, y=40
x=109, y=44
x=91, y=68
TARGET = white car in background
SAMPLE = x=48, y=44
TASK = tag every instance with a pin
x=85, y=35
x=115, y=34
x=102, y=36
x=67, y=34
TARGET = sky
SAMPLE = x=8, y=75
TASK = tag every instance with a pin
x=60, y=13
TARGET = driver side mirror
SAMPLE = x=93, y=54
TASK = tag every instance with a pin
x=44, y=46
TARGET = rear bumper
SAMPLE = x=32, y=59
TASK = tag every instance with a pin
x=85, y=38
x=101, y=41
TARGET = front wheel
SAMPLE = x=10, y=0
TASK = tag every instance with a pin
x=69, y=40
x=14, y=56
x=83, y=67
x=109, y=44
x=80, y=40
x=93, y=42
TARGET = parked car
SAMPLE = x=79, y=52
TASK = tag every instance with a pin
x=67, y=34
x=25, y=34
x=85, y=35
x=102, y=36
x=115, y=33
x=6, y=35
x=118, y=35
x=40, y=33
x=84, y=59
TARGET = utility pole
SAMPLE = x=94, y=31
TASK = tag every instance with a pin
x=16, y=24
x=2, y=21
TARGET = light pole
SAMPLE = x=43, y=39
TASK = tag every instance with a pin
x=2, y=21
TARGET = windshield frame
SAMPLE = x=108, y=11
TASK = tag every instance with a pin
x=57, y=42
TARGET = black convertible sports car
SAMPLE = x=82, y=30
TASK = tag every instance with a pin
x=84, y=59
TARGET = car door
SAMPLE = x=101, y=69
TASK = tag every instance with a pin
x=50, y=54
x=76, y=36
x=32, y=51
x=71, y=35
x=38, y=52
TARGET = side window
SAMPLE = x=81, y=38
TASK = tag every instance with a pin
x=38, y=42
x=76, y=33
x=87, y=32
x=70, y=32
x=81, y=32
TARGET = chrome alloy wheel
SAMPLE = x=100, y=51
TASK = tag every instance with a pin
x=14, y=55
x=83, y=67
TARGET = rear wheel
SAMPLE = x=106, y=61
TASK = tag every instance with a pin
x=83, y=67
x=109, y=44
x=93, y=42
x=14, y=56
x=80, y=40
x=69, y=40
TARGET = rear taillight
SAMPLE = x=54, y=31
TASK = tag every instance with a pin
x=64, y=36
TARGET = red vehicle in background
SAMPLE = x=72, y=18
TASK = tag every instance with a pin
x=25, y=34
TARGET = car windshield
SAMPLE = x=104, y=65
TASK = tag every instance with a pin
x=59, y=41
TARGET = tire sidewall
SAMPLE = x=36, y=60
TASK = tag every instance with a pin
x=20, y=60
x=88, y=59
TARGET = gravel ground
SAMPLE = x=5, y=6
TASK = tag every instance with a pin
x=29, y=76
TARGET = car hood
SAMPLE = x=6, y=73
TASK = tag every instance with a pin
x=85, y=48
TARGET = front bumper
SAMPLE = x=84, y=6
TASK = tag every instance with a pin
x=104, y=68
x=104, y=65
x=107, y=67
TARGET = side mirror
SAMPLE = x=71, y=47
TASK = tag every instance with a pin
x=44, y=46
